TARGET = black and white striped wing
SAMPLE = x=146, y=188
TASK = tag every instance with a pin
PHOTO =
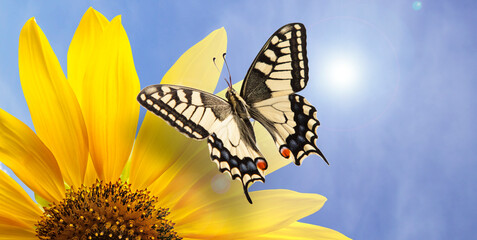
x=277, y=73
x=200, y=115
x=233, y=148
x=280, y=68
x=193, y=112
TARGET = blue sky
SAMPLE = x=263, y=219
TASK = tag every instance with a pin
x=398, y=128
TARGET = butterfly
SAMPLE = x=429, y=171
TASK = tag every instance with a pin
x=268, y=95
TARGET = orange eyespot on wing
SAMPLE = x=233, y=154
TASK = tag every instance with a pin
x=285, y=152
x=262, y=164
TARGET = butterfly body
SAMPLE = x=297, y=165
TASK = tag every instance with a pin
x=239, y=105
x=268, y=95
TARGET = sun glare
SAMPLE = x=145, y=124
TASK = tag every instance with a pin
x=342, y=73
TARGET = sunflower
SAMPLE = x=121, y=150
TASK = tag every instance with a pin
x=93, y=179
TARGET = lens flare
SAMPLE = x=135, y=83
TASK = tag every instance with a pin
x=417, y=5
x=220, y=183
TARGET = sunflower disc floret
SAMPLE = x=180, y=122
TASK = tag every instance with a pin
x=106, y=211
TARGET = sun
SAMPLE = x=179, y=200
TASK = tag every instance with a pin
x=342, y=73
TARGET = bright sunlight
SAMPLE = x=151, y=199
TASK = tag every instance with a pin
x=342, y=73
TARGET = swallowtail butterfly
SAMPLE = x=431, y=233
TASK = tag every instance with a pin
x=268, y=95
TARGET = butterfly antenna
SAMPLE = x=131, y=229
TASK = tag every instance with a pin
x=228, y=70
x=215, y=64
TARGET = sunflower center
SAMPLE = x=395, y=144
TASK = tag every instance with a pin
x=106, y=211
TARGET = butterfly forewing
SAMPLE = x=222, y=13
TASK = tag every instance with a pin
x=193, y=112
x=277, y=73
x=280, y=68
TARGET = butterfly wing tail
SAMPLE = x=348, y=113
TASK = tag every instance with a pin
x=247, y=167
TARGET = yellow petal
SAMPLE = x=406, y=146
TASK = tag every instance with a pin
x=303, y=231
x=158, y=145
x=87, y=34
x=53, y=106
x=41, y=201
x=126, y=171
x=195, y=68
x=24, y=153
x=11, y=221
x=235, y=218
x=264, y=141
x=8, y=232
x=191, y=181
x=110, y=108
x=91, y=176
x=16, y=207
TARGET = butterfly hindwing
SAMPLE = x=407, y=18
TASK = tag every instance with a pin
x=292, y=122
x=280, y=68
x=234, y=151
